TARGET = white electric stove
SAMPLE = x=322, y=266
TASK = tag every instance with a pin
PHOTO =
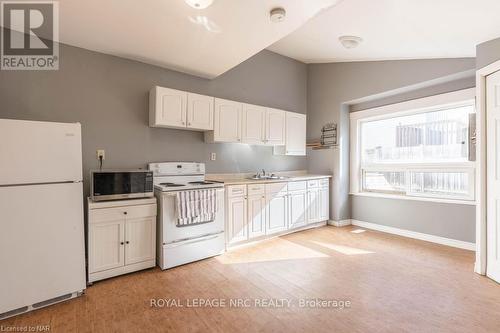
x=178, y=245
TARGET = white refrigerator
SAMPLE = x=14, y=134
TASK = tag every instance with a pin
x=42, y=249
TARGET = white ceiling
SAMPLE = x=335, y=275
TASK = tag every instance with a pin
x=395, y=29
x=171, y=34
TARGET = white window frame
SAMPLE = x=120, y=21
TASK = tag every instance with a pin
x=416, y=106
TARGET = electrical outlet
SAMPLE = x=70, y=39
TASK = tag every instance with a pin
x=213, y=156
x=101, y=152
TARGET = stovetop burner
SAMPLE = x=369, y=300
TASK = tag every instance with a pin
x=201, y=183
x=171, y=184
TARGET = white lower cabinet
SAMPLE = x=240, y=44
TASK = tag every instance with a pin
x=256, y=215
x=313, y=205
x=324, y=203
x=121, y=237
x=237, y=230
x=276, y=208
x=297, y=202
x=256, y=210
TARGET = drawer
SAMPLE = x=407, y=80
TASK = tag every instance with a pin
x=236, y=190
x=118, y=213
x=255, y=189
x=313, y=183
x=297, y=186
x=140, y=211
x=324, y=182
x=276, y=187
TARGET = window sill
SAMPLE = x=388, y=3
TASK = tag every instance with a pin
x=403, y=197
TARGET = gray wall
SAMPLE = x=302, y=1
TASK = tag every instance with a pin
x=487, y=53
x=433, y=218
x=333, y=88
x=109, y=97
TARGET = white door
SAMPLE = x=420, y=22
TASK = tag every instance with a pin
x=253, y=124
x=295, y=134
x=35, y=152
x=256, y=215
x=275, y=127
x=200, y=112
x=298, y=203
x=493, y=175
x=227, y=124
x=276, y=212
x=313, y=205
x=42, y=250
x=237, y=219
x=106, y=242
x=139, y=240
x=171, y=107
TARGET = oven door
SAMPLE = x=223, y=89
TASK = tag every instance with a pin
x=167, y=218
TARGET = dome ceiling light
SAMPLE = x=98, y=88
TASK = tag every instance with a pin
x=350, y=42
x=199, y=4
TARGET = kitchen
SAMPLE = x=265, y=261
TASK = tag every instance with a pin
x=215, y=192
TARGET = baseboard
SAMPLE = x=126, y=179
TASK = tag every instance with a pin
x=341, y=223
x=416, y=235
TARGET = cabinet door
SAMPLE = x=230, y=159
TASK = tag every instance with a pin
x=295, y=134
x=324, y=204
x=256, y=215
x=227, y=125
x=237, y=219
x=297, y=202
x=200, y=112
x=106, y=245
x=253, y=124
x=140, y=240
x=276, y=213
x=275, y=127
x=169, y=107
x=313, y=205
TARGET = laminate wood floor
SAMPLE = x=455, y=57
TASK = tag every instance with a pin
x=393, y=284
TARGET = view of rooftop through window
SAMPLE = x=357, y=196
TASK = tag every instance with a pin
x=426, y=137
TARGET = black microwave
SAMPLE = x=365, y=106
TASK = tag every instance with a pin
x=119, y=184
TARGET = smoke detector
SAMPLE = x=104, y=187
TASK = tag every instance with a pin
x=199, y=4
x=277, y=14
x=350, y=42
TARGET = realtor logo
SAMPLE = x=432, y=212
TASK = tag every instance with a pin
x=30, y=34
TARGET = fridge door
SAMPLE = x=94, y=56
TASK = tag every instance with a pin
x=36, y=152
x=42, y=251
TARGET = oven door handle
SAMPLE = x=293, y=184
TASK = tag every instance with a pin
x=195, y=240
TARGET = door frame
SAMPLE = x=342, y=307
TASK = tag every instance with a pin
x=481, y=213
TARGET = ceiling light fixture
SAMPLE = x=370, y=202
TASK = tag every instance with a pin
x=199, y=4
x=350, y=42
x=277, y=14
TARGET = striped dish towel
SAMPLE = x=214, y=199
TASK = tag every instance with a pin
x=197, y=206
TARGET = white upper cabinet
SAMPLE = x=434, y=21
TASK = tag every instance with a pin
x=295, y=136
x=253, y=124
x=167, y=107
x=275, y=127
x=200, y=112
x=179, y=109
x=227, y=122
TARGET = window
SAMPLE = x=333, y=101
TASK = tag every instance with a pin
x=421, y=152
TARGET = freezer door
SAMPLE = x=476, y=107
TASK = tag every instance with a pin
x=36, y=152
x=42, y=251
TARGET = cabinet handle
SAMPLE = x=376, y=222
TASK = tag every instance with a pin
x=121, y=243
x=127, y=242
x=189, y=124
x=125, y=213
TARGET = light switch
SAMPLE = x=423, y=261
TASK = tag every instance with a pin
x=213, y=156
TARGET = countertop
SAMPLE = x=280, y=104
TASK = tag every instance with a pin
x=243, y=180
